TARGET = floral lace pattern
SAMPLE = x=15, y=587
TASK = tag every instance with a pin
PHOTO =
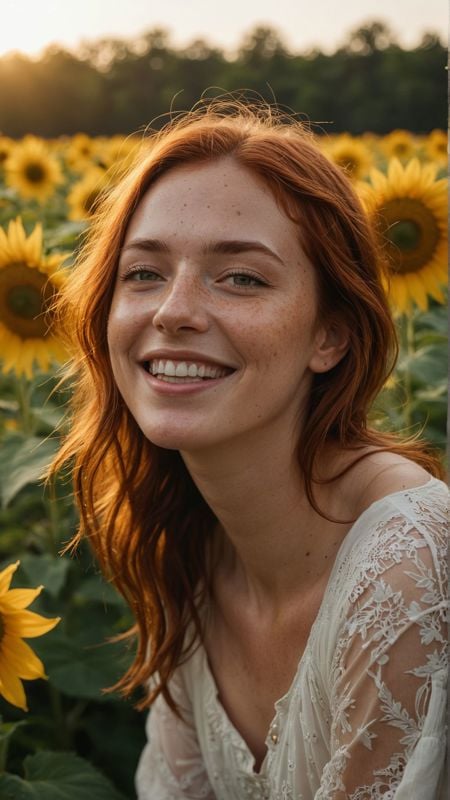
x=364, y=718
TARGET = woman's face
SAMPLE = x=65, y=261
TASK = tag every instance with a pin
x=213, y=332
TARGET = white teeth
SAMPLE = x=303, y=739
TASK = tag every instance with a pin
x=175, y=379
x=183, y=369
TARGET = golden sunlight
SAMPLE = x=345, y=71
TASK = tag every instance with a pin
x=29, y=26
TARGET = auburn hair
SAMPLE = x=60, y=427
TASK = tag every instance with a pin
x=139, y=508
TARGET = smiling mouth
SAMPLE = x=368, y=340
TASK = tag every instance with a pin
x=170, y=371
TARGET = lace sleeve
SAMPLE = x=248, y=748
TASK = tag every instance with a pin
x=171, y=765
x=388, y=696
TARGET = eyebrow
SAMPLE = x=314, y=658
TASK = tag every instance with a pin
x=226, y=246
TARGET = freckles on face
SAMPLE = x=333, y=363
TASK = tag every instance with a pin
x=186, y=299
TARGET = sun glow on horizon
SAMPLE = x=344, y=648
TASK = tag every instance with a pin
x=30, y=26
x=27, y=26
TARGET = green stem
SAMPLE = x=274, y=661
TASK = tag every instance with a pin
x=408, y=342
x=53, y=528
x=4, y=745
x=24, y=401
x=74, y=716
x=63, y=736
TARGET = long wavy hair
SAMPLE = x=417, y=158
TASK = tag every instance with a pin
x=139, y=508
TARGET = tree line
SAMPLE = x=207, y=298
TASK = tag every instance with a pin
x=115, y=86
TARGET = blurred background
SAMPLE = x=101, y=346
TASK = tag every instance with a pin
x=107, y=69
x=81, y=86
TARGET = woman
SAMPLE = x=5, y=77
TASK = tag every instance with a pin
x=284, y=562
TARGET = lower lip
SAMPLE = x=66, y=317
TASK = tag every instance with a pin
x=168, y=388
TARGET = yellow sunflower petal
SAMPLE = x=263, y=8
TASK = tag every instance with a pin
x=27, y=624
x=28, y=286
x=399, y=295
x=20, y=658
x=378, y=180
x=11, y=687
x=34, y=244
x=395, y=171
x=19, y=598
x=417, y=290
x=409, y=208
x=16, y=234
x=3, y=242
x=6, y=576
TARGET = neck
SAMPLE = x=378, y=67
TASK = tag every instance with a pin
x=271, y=542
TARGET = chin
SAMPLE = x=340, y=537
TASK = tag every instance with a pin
x=172, y=439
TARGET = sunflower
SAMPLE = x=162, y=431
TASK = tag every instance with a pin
x=6, y=148
x=351, y=154
x=17, y=660
x=435, y=146
x=85, y=194
x=79, y=152
x=28, y=285
x=409, y=208
x=32, y=169
x=399, y=144
x=118, y=154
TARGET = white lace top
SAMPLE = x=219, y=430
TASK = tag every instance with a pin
x=364, y=718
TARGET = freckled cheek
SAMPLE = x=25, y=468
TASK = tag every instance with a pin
x=264, y=343
x=126, y=320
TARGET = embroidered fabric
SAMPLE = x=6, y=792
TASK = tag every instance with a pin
x=364, y=718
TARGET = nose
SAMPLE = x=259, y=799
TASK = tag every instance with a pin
x=182, y=306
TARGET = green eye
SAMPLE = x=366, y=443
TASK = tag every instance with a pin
x=143, y=275
x=245, y=280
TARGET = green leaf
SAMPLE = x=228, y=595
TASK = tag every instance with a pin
x=7, y=729
x=95, y=589
x=46, y=570
x=79, y=669
x=48, y=415
x=435, y=319
x=428, y=365
x=23, y=461
x=66, y=234
x=57, y=776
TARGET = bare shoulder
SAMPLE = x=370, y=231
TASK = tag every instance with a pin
x=379, y=474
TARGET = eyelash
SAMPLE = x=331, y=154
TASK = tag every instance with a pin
x=136, y=271
x=239, y=273
x=251, y=275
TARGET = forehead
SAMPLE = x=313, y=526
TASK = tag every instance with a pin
x=204, y=200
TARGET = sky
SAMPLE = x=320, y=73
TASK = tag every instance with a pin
x=30, y=25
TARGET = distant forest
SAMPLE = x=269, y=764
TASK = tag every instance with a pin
x=120, y=86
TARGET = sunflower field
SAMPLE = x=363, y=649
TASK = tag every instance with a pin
x=61, y=734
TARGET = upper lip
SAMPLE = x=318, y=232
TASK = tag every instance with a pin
x=184, y=355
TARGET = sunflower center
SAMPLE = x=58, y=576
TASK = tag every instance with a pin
x=2, y=628
x=405, y=234
x=412, y=232
x=25, y=297
x=24, y=301
x=34, y=172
